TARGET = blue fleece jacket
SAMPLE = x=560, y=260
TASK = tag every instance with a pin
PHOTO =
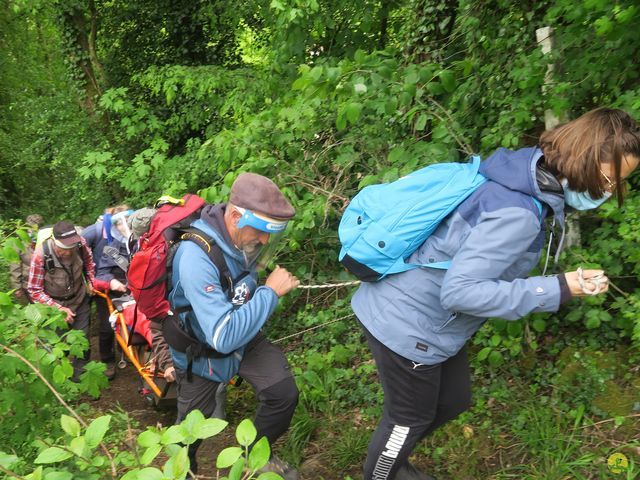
x=493, y=239
x=225, y=325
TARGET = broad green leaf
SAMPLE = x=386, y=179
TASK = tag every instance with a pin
x=96, y=430
x=32, y=313
x=539, y=325
x=246, y=432
x=514, y=328
x=440, y=131
x=360, y=56
x=150, y=454
x=593, y=322
x=133, y=475
x=70, y=425
x=53, y=455
x=484, y=353
x=10, y=255
x=148, y=438
x=269, y=476
x=228, y=457
x=210, y=427
x=24, y=236
x=495, y=358
x=150, y=473
x=341, y=121
x=58, y=374
x=78, y=446
x=173, y=434
x=191, y=424
x=35, y=475
x=259, y=454
x=58, y=476
x=235, y=473
x=315, y=73
x=391, y=106
x=178, y=465
x=448, y=80
x=421, y=122
x=5, y=299
x=352, y=111
x=6, y=459
x=412, y=78
x=435, y=88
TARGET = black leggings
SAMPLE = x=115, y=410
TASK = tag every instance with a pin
x=417, y=400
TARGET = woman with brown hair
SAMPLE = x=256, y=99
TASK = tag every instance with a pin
x=418, y=322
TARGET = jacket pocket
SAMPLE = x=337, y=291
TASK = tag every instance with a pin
x=451, y=318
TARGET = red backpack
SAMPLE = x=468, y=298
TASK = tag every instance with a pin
x=148, y=274
x=150, y=271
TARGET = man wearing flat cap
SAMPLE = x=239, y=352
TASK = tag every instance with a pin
x=61, y=270
x=230, y=321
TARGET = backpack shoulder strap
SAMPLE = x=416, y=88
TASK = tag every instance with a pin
x=214, y=252
x=47, y=257
x=539, y=205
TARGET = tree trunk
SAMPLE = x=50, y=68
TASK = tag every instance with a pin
x=83, y=26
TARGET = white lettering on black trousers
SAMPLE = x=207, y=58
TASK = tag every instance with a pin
x=392, y=449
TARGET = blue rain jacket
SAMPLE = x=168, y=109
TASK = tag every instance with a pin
x=493, y=239
x=227, y=326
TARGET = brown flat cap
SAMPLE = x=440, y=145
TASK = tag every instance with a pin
x=259, y=194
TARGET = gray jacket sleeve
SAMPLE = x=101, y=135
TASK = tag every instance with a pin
x=474, y=285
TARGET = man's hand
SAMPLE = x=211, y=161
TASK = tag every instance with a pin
x=69, y=314
x=593, y=282
x=117, y=286
x=170, y=374
x=281, y=281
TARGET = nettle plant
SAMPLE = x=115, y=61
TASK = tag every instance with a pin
x=81, y=452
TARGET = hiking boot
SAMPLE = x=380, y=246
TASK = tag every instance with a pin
x=110, y=370
x=409, y=472
x=280, y=467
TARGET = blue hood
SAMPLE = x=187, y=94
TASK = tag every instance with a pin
x=517, y=171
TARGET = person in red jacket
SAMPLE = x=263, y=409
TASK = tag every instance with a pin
x=62, y=275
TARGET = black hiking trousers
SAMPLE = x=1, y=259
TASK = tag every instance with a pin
x=265, y=367
x=417, y=399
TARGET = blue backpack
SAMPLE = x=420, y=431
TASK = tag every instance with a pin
x=384, y=224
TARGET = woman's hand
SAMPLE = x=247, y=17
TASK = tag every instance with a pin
x=117, y=286
x=587, y=282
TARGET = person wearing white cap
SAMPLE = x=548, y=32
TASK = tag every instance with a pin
x=60, y=266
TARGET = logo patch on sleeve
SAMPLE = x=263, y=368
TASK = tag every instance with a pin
x=209, y=288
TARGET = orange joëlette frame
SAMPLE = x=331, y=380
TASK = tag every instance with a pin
x=122, y=336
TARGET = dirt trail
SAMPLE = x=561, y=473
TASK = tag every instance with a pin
x=123, y=391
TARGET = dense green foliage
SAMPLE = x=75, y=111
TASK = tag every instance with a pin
x=110, y=101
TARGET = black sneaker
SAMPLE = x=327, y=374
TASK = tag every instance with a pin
x=280, y=467
x=110, y=371
x=409, y=472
